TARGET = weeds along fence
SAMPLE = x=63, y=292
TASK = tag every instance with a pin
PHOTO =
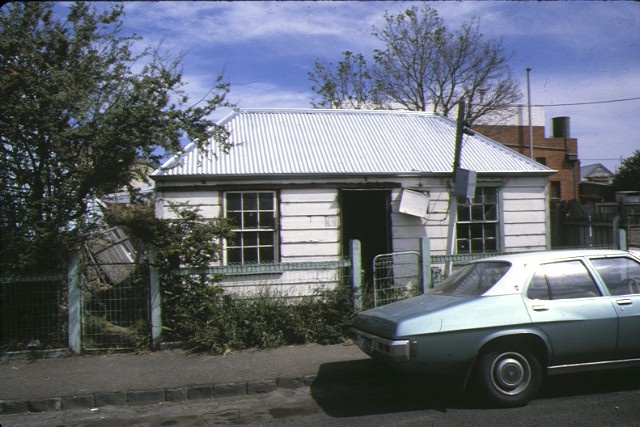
x=117, y=306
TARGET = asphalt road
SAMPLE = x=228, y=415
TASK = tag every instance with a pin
x=368, y=394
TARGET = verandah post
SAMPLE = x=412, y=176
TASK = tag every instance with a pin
x=356, y=274
x=425, y=263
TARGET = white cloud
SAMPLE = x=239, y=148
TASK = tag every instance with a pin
x=579, y=52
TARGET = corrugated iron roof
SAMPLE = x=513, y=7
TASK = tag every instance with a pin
x=343, y=142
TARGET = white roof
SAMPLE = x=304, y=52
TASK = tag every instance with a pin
x=343, y=142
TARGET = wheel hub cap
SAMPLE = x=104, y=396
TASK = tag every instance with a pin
x=511, y=373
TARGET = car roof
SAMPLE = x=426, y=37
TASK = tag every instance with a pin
x=523, y=265
x=545, y=256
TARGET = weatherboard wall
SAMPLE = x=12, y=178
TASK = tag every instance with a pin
x=310, y=222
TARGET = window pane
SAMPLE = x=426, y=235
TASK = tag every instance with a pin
x=490, y=196
x=234, y=255
x=250, y=239
x=463, y=213
x=265, y=238
x=266, y=201
x=235, y=218
x=490, y=231
x=250, y=201
x=477, y=213
x=236, y=239
x=266, y=220
x=250, y=220
x=250, y=254
x=234, y=202
x=463, y=246
x=490, y=213
x=477, y=245
x=491, y=245
x=267, y=255
x=463, y=231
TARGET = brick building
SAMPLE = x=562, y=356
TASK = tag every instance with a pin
x=558, y=152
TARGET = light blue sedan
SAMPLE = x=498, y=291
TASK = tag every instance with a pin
x=501, y=323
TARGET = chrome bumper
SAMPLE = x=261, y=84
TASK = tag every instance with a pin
x=396, y=350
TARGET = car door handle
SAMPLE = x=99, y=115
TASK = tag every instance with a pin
x=540, y=308
x=625, y=301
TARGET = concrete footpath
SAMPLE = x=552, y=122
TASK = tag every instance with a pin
x=165, y=376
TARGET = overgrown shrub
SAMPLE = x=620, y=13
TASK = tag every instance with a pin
x=197, y=312
x=268, y=319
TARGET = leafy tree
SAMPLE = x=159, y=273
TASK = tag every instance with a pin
x=627, y=177
x=350, y=85
x=424, y=65
x=80, y=115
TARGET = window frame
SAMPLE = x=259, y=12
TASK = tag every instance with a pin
x=497, y=223
x=241, y=231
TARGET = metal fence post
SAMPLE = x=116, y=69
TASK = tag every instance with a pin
x=75, y=304
x=425, y=263
x=155, y=301
x=622, y=239
x=356, y=274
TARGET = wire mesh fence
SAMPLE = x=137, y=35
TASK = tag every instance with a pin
x=115, y=306
x=396, y=276
x=33, y=313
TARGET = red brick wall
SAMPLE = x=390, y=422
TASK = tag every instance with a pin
x=553, y=150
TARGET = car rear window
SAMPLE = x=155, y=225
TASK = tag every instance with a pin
x=472, y=279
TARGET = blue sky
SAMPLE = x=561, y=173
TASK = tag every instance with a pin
x=580, y=53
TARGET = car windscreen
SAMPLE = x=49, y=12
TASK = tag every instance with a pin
x=472, y=279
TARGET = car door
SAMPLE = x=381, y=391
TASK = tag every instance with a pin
x=565, y=302
x=621, y=275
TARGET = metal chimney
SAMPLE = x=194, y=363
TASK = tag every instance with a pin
x=560, y=127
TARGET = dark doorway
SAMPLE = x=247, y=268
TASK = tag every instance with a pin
x=366, y=217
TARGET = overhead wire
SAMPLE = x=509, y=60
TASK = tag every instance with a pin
x=589, y=102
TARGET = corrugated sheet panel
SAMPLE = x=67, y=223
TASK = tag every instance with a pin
x=301, y=142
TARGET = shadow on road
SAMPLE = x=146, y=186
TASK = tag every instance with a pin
x=367, y=387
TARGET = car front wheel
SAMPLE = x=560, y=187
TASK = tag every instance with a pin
x=509, y=378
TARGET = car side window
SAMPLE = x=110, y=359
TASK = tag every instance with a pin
x=620, y=274
x=562, y=280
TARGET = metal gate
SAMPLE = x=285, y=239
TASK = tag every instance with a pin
x=396, y=276
x=115, y=313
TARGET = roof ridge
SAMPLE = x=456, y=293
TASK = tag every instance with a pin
x=333, y=111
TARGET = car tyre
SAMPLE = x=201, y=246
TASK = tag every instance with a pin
x=508, y=378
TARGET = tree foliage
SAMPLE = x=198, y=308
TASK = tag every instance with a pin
x=424, y=65
x=80, y=115
x=627, y=177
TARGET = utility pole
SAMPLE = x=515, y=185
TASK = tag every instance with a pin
x=529, y=108
x=453, y=202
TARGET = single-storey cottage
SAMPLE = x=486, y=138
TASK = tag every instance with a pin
x=300, y=184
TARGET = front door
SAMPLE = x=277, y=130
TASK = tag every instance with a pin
x=365, y=216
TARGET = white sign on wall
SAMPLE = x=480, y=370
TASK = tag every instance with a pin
x=414, y=203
